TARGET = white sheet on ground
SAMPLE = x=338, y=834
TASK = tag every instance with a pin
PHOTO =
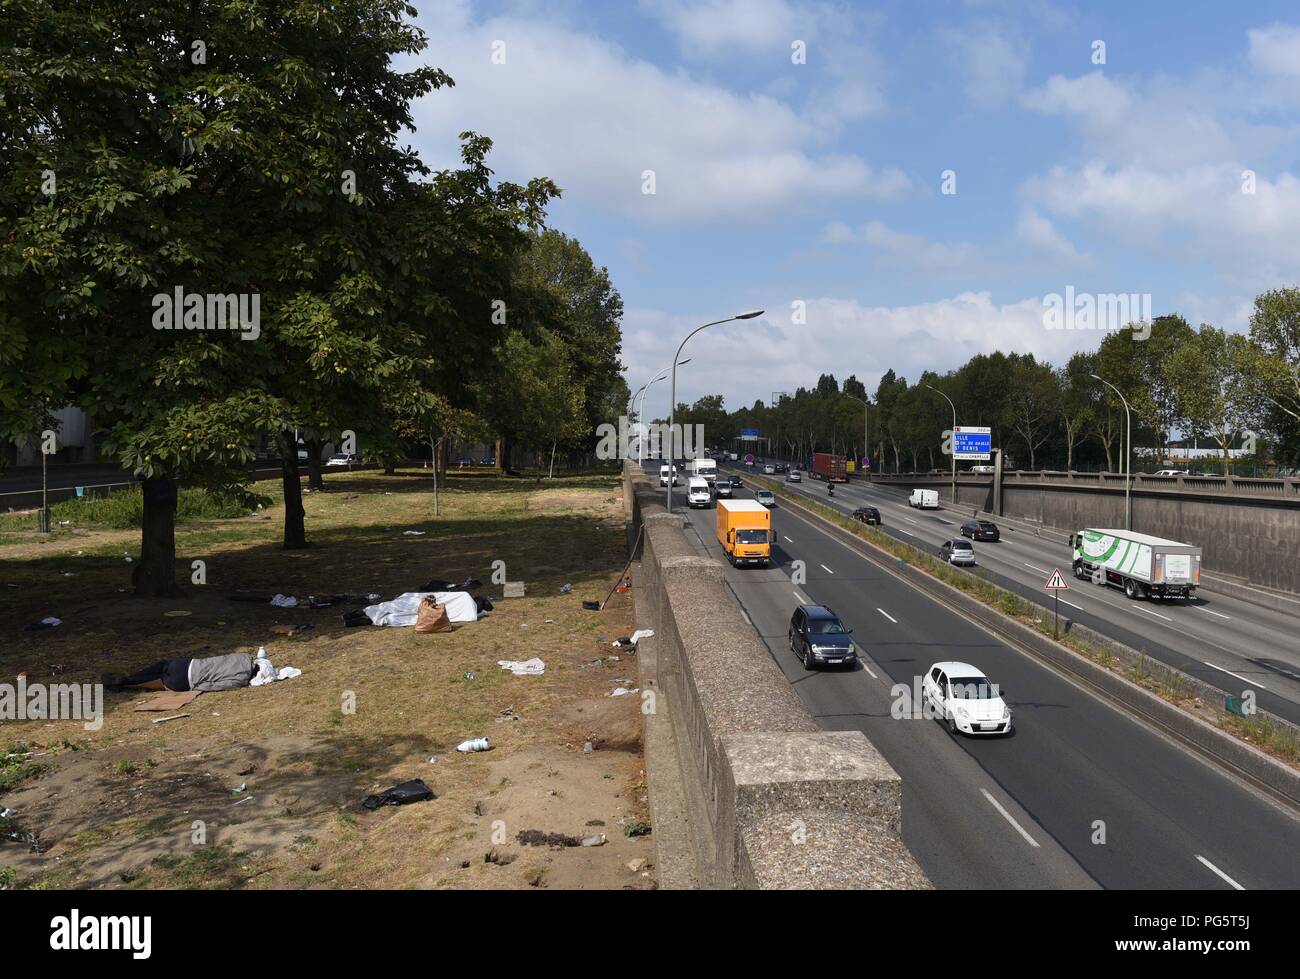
x=403, y=610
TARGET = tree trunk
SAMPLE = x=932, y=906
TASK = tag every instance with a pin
x=315, y=478
x=295, y=535
x=155, y=575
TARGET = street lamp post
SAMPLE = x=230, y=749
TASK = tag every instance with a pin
x=952, y=453
x=866, y=413
x=672, y=406
x=1128, y=453
x=646, y=388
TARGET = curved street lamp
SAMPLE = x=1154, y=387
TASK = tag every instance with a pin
x=952, y=454
x=1128, y=454
x=672, y=409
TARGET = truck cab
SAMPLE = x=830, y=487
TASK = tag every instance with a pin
x=745, y=532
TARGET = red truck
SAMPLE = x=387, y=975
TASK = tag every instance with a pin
x=830, y=467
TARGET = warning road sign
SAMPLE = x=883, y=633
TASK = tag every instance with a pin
x=1056, y=581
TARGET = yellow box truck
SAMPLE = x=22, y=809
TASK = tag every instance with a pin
x=745, y=531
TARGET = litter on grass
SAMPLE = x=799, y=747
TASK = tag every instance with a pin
x=528, y=667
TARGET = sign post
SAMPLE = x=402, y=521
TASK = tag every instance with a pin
x=1056, y=584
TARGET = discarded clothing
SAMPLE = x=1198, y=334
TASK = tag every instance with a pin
x=283, y=673
x=633, y=639
x=399, y=795
x=528, y=667
x=49, y=622
x=211, y=674
x=404, y=609
x=623, y=691
x=413, y=533
x=356, y=617
x=284, y=601
x=483, y=603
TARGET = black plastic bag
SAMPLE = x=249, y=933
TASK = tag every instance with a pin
x=399, y=795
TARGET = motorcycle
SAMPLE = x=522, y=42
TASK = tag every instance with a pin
x=830, y=489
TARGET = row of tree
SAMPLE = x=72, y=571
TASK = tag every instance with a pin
x=252, y=151
x=1226, y=389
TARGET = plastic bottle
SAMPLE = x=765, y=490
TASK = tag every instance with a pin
x=475, y=744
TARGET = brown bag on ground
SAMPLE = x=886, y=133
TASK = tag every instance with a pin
x=432, y=617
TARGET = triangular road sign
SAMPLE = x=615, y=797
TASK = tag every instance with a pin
x=1056, y=582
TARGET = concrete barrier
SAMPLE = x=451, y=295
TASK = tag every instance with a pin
x=783, y=804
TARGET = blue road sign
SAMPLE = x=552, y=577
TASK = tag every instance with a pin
x=972, y=443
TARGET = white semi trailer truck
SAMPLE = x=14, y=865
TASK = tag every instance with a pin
x=1144, y=566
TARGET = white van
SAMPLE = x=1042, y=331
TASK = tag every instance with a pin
x=697, y=492
x=924, y=499
x=663, y=475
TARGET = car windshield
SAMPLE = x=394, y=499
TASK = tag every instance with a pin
x=826, y=627
x=961, y=545
x=751, y=536
x=763, y=495
x=973, y=688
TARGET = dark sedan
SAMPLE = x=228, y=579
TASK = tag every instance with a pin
x=981, y=530
x=867, y=514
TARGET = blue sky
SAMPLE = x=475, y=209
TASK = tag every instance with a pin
x=820, y=183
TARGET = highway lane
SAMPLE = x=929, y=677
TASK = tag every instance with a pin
x=1230, y=643
x=1075, y=767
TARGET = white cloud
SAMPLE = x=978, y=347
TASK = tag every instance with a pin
x=582, y=111
x=994, y=62
x=719, y=27
x=1275, y=50
x=903, y=249
x=1041, y=235
x=842, y=337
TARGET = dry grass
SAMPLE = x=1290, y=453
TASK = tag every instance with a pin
x=112, y=818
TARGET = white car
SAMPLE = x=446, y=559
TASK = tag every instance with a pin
x=769, y=470
x=794, y=476
x=341, y=459
x=765, y=497
x=697, y=492
x=970, y=703
x=663, y=475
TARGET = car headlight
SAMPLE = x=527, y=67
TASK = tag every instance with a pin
x=852, y=649
x=961, y=712
x=1006, y=713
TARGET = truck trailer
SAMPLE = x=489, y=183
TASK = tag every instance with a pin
x=825, y=465
x=1144, y=566
x=745, y=531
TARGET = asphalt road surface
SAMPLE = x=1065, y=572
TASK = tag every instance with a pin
x=1026, y=811
x=1233, y=644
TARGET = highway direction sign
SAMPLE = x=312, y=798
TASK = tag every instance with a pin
x=970, y=442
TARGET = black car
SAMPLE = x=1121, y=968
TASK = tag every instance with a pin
x=817, y=636
x=781, y=467
x=981, y=530
x=867, y=514
x=736, y=483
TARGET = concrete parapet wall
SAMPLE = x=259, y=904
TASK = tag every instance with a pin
x=755, y=755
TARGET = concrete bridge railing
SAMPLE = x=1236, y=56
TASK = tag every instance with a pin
x=783, y=804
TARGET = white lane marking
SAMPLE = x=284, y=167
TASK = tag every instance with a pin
x=1238, y=676
x=747, y=618
x=1007, y=816
x=787, y=539
x=1071, y=604
x=826, y=569
x=887, y=615
x=802, y=600
x=1211, y=612
x=1032, y=568
x=910, y=520
x=1143, y=608
x=1219, y=872
x=867, y=668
